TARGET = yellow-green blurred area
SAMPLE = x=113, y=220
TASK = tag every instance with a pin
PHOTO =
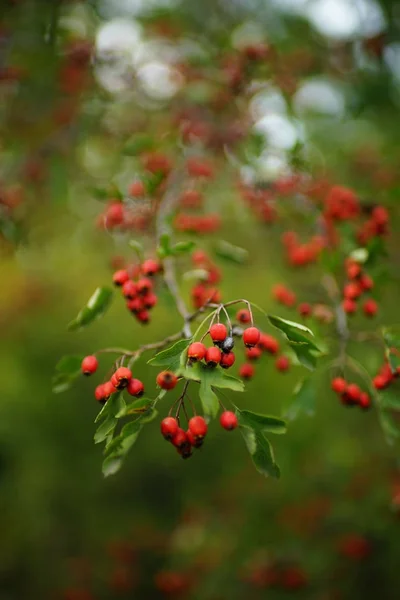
x=209, y=528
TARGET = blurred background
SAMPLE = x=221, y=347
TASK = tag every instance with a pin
x=78, y=82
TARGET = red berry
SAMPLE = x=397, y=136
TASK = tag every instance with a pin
x=149, y=300
x=150, y=267
x=251, y=336
x=353, y=392
x=227, y=360
x=144, y=286
x=246, y=371
x=339, y=385
x=268, y=343
x=89, y=365
x=108, y=388
x=135, y=305
x=243, y=316
x=136, y=189
x=228, y=420
x=380, y=382
x=196, y=442
x=121, y=378
x=349, y=306
x=305, y=309
x=364, y=400
x=169, y=427
x=167, y=380
x=253, y=353
x=198, y=426
x=196, y=351
x=370, y=307
x=143, y=316
x=282, y=363
x=135, y=387
x=352, y=290
x=353, y=270
x=120, y=277
x=213, y=356
x=100, y=393
x=218, y=332
x=180, y=439
x=129, y=289
x=366, y=282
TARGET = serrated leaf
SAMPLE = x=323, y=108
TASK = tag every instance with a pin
x=262, y=422
x=106, y=427
x=304, y=348
x=97, y=305
x=171, y=357
x=304, y=399
x=261, y=452
x=230, y=252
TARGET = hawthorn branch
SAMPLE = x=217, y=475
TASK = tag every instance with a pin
x=165, y=209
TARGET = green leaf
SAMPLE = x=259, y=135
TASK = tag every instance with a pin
x=170, y=358
x=304, y=399
x=182, y=247
x=228, y=251
x=262, y=422
x=137, y=144
x=68, y=369
x=213, y=376
x=152, y=181
x=209, y=400
x=390, y=398
x=290, y=328
x=261, y=452
x=140, y=406
x=70, y=364
x=164, y=246
x=391, y=337
x=304, y=348
x=95, y=308
x=195, y=274
x=104, y=430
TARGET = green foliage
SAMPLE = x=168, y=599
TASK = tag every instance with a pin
x=67, y=370
x=261, y=452
x=97, y=305
x=304, y=399
x=231, y=253
x=263, y=422
x=165, y=248
x=138, y=143
x=170, y=358
x=306, y=351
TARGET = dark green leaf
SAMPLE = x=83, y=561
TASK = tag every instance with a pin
x=290, y=328
x=61, y=383
x=262, y=422
x=261, y=452
x=106, y=427
x=95, y=308
x=304, y=399
x=213, y=376
x=389, y=426
x=304, y=348
x=390, y=398
x=140, y=406
x=164, y=246
x=230, y=252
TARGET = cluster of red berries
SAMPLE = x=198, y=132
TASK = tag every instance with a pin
x=341, y=204
x=350, y=393
x=261, y=201
x=205, y=291
x=358, y=283
x=376, y=225
x=266, y=344
x=385, y=376
x=197, y=223
x=193, y=437
x=299, y=254
x=120, y=380
x=138, y=288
